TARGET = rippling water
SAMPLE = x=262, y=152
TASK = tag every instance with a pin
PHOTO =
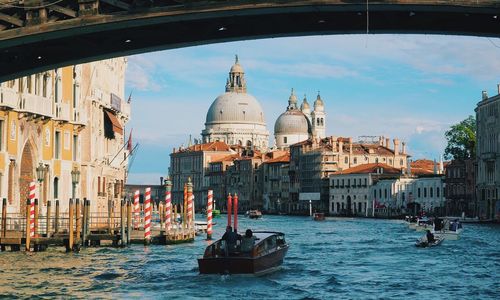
x=341, y=259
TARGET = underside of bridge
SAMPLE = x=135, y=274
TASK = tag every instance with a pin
x=28, y=46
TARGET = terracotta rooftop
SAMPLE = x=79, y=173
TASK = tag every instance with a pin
x=369, y=168
x=227, y=158
x=212, y=146
x=281, y=159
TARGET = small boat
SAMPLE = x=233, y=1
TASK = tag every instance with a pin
x=318, y=216
x=267, y=255
x=254, y=214
x=423, y=243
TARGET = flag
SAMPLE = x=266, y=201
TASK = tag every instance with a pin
x=129, y=142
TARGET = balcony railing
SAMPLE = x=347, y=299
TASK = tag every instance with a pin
x=79, y=116
x=8, y=98
x=35, y=104
x=61, y=112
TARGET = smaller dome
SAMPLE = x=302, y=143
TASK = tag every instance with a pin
x=318, y=104
x=236, y=68
x=305, y=104
x=292, y=122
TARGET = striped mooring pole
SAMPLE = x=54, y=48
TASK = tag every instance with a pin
x=209, y=214
x=190, y=206
x=137, y=210
x=32, y=208
x=147, y=217
x=168, y=205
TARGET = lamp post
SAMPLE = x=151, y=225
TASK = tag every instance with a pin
x=40, y=174
x=75, y=179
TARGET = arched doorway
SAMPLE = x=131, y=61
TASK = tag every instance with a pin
x=349, y=205
x=26, y=176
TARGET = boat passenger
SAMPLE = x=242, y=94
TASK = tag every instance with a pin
x=430, y=237
x=247, y=241
x=231, y=238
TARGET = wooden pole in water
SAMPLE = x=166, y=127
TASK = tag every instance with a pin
x=229, y=209
x=235, y=205
x=168, y=206
x=110, y=215
x=4, y=217
x=70, y=225
x=56, y=223
x=190, y=205
x=49, y=213
x=28, y=224
x=36, y=217
x=160, y=212
x=137, y=211
x=78, y=220
x=122, y=223
x=129, y=221
x=184, y=208
x=84, y=223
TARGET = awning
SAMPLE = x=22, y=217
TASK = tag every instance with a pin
x=117, y=127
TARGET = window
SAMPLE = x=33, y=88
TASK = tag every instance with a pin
x=437, y=192
x=365, y=182
x=385, y=193
x=1, y=134
x=29, y=84
x=401, y=162
x=57, y=145
x=346, y=160
x=355, y=160
x=425, y=192
x=284, y=140
x=418, y=193
x=431, y=192
x=75, y=147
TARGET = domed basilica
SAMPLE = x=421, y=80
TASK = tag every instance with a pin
x=236, y=117
x=296, y=125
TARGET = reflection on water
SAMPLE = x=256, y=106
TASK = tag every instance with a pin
x=341, y=258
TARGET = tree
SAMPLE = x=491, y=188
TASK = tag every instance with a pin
x=461, y=139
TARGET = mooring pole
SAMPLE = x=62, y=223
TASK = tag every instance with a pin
x=56, y=225
x=129, y=221
x=78, y=220
x=49, y=213
x=4, y=217
x=36, y=217
x=84, y=223
x=109, y=215
x=122, y=223
x=28, y=229
x=70, y=225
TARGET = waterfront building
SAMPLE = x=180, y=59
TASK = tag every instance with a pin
x=294, y=125
x=276, y=182
x=46, y=122
x=314, y=160
x=350, y=189
x=461, y=188
x=381, y=190
x=488, y=156
x=236, y=117
x=194, y=162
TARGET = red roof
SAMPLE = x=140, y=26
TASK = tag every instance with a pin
x=370, y=168
x=213, y=146
x=281, y=159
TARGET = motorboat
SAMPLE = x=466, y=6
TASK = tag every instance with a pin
x=424, y=224
x=451, y=231
x=266, y=255
x=318, y=216
x=254, y=214
x=423, y=242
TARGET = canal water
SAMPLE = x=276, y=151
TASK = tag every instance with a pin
x=334, y=259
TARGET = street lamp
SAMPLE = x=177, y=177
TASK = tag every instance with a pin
x=75, y=179
x=40, y=174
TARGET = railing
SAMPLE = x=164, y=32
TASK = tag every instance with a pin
x=35, y=104
x=79, y=116
x=8, y=98
x=61, y=112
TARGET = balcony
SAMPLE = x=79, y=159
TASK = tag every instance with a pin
x=34, y=104
x=79, y=117
x=61, y=112
x=8, y=98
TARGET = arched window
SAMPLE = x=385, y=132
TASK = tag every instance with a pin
x=249, y=143
x=56, y=188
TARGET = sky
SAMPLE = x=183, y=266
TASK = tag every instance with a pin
x=413, y=87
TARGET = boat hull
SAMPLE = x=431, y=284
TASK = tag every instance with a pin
x=243, y=265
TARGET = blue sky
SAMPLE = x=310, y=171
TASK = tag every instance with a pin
x=408, y=86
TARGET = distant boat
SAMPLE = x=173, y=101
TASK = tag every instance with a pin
x=267, y=255
x=254, y=214
x=318, y=216
x=423, y=243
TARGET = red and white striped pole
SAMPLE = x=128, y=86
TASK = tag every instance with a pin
x=229, y=209
x=190, y=206
x=147, y=217
x=209, y=214
x=32, y=208
x=137, y=210
x=168, y=205
x=235, y=206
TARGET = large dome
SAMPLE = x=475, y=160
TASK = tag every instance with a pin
x=292, y=122
x=232, y=107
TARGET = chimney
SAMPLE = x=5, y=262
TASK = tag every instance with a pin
x=387, y=142
x=485, y=95
x=403, y=151
x=396, y=146
x=350, y=146
x=341, y=146
x=381, y=140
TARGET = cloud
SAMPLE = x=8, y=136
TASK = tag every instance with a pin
x=140, y=74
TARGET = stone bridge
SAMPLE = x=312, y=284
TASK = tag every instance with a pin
x=36, y=35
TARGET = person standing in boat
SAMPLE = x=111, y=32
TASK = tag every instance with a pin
x=430, y=237
x=231, y=238
x=247, y=241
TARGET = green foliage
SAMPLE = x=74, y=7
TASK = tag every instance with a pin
x=461, y=139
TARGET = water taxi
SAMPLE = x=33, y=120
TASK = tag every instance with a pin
x=318, y=216
x=266, y=255
x=423, y=242
x=254, y=214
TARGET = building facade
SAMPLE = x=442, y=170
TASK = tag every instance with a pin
x=488, y=156
x=276, y=182
x=46, y=121
x=461, y=188
x=236, y=117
